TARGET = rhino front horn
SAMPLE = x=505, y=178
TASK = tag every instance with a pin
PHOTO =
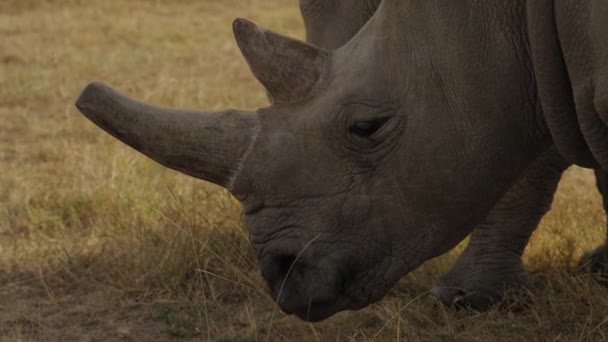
x=205, y=145
x=289, y=69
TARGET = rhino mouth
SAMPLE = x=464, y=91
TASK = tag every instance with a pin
x=322, y=309
x=349, y=294
x=317, y=311
x=313, y=307
x=308, y=287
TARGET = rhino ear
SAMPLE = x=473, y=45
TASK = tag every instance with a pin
x=289, y=69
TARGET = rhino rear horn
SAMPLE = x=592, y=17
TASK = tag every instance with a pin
x=205, y=145
x=289, y=69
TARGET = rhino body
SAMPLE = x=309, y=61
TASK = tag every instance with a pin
x=491, y=263
x=435, y=118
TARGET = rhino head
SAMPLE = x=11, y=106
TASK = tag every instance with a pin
x=371, y=159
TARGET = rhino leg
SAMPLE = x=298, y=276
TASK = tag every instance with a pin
x=597, y=260
x=491, y=262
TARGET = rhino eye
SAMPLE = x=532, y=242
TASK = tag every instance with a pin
x=367, y=128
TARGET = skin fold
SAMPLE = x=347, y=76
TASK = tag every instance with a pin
x=491, y=263
x=435, y=118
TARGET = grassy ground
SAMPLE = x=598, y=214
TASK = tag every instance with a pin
x=99, y=243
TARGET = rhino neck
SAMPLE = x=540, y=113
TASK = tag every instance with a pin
x=483, y=45
x=554, y=85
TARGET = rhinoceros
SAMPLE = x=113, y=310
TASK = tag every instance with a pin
x=436, y=118
x=476, y=280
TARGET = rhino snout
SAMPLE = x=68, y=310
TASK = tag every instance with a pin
x=301, y=287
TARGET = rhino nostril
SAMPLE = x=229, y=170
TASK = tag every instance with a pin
x=284, y=263
x=277, y=268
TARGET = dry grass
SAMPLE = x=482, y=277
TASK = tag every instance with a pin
x=99, y=243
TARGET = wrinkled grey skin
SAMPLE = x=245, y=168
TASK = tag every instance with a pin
x=491, y=263
x=387, y=151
